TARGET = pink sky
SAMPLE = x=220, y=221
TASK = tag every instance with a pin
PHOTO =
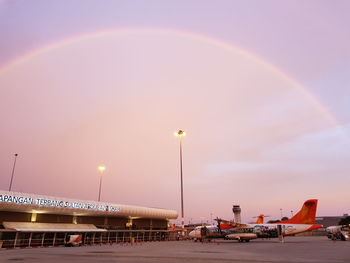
x=255, y=137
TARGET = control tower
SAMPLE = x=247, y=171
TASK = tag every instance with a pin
x=236, y=209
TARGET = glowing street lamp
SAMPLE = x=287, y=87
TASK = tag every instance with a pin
x=101, y=168
x=180, y=134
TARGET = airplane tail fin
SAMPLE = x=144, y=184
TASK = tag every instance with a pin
x=306, y=215
x=260, y=219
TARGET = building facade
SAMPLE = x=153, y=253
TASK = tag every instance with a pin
x=34, y=210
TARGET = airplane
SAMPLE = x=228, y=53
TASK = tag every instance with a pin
x=223, y=229
x=303, y=221
x=247, y=233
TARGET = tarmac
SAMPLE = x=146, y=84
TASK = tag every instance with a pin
x=293, y=250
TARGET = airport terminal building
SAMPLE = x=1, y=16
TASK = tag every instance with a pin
x=25, y=214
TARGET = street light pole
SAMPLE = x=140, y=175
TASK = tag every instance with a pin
x=101, y=168
x=180, y=134
x=13, y=172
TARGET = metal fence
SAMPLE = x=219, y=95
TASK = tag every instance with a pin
x=13, y=239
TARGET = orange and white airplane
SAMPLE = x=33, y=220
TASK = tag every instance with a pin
x=303, y=221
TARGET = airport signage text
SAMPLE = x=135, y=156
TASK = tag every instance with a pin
x=57, y=203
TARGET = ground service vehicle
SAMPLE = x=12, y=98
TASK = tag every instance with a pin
x=74, y=240
x=338, y=232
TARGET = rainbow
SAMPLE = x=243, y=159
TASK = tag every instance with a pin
x=181, y=34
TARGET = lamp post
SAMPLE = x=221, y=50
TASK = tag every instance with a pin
x=13, y=171
x=180, y=134
x=101, y=168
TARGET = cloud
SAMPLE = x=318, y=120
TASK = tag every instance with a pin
x=312, y=156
